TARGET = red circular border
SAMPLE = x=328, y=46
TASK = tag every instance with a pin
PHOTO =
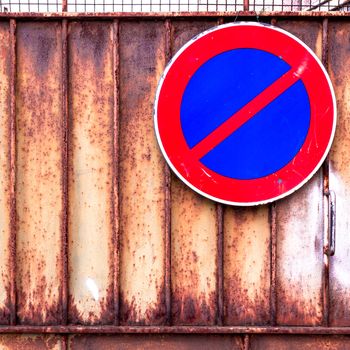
x=176, y=78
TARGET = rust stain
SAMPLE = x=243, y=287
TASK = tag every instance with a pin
x=193, y=309
x=194, y=233
x=90, y=188
x=144, y=197
x=295, y=342
x=194, y=257
x=132, y=313
x=247, y=266
x=148, y=342
x=300, y=256
x=339, y=170
x=78, y=314
x=39, y=172
x=142, y=178
x=299, y=225
x=29, y=342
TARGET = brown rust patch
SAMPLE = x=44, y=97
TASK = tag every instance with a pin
x=194, y=257
x=339, y=173
x=193, y=310
x=194, y=233
x=300, y=257
x=295, y=342
x=142, y=178
x=247, y=266
x=132, y=314
x=105, y=315
x=299, y=225
x=39, y=172
x=93, y=41
x=91, y=169
x=29, y=342
x=5, y=170
x=148, y=342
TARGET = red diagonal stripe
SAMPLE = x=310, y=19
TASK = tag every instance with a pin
x=245, y=113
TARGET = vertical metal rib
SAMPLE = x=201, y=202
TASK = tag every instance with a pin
x=273, y=253
x=273, y=297
x=246, y=5
x=64, y=237
x=168, y=55
x=13, y=301
x=64, y=6
x=220, y=265
x=246, y=342
x=325, y=172
x=220, y=255
x=64, y=342
x=116, y=216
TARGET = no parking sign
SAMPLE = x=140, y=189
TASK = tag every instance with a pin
x=245, y=113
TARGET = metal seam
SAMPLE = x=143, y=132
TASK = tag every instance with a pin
x=12, y=243
x=168, y=55
x=115, y=195
x=246, y=342
x=325, y=176
x=220, y=264
x=220, y=254
x=273, y=252
x=64, y=6
x=65, y=126
x=273, y=262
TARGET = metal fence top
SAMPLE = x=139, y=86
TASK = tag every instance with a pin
x=168, y=6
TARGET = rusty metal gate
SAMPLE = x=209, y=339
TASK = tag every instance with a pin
x=103, y=248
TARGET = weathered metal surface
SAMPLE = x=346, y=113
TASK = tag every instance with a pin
x=30, y=342
x=168, y=175
x=299, y=342
x=142, y=178
x=194, y=233
x=148, y=342
x=39, y=196
x=247, y=265
x=299, y=227
x=5, y=170
x=95, y=141
x=90, y=219
x=339, y=173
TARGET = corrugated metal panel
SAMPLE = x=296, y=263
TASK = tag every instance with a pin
x=39, y=172
x=299, y=226
x=194, y=233
x=91, y=202
x=142, y=177
x=99, y=217
x=339, y=177
x=247, y=266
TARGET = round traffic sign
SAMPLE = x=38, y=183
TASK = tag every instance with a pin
x=245, y=113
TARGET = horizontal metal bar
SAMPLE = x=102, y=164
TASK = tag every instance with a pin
x=171, y=330
x=150, y=15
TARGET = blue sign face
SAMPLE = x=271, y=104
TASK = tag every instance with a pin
x=267, y=141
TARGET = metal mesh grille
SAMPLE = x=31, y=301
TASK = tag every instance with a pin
x=172, y=5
